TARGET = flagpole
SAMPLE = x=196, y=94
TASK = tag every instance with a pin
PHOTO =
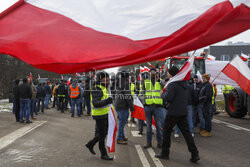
x=221, y=71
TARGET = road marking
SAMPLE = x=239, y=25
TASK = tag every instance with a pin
x=142, y=156
x=231, y=125
x=156, y=160
x=131, y=125
x=135, y=134
x=10, y=138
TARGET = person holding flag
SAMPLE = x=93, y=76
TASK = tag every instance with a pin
x=100, y=104
x=177, y=97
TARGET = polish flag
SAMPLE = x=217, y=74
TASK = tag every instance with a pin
x=68, y=82
x=141, y=69
x=210, y=57
x=112, y=129
x=238, y=71
x=150, y=65
x=77, y=74
x=184, y=73
x=31, y=76
x=85, y=35
x=146, y=69
x=244, y=57
x=139, y=112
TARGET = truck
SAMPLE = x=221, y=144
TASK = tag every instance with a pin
x=237, y=104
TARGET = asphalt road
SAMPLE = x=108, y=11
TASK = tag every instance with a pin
x=57, y=140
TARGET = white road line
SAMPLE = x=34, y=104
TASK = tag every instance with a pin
x=10, y=138
x=156, y=160
x=131, y=125
x=142, y=156
x=231, y=125
x=135, y=134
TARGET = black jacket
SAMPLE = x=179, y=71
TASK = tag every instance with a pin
x=40, y=92
x=97, y=102
x=16, y=93
x=177, y=97
x=86, y=93
x=24, y=91
x=124, y=99
x=206, y=93
x=196, y=93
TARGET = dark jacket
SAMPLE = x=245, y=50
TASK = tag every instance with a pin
x=16, y=93
x=97, y=102
x=190, y=93
x=124, y=99
x=40, y=92
x=24, y=91
x=47, y=89
x=206, y=93
x=196, y=93
x=177, y=97
x=86, y=93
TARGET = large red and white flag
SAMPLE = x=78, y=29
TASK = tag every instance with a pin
x=184, y=73
x=65, y=36
x=238, y=71
x=244, y=57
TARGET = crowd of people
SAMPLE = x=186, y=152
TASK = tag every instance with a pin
x=30, y=99
x=180, y=106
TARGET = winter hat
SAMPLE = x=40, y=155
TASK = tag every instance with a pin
x=196, y=76
x=207, y=76
x=173, y=70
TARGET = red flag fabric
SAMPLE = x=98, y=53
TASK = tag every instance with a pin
x=64, y=38
x=244, y=57
x=112, y=129
x=31, y=76
x=139, y=112
x=238, y=71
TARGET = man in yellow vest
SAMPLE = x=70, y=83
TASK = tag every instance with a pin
x=153, y=106
x=100, y=105
x=226, y=90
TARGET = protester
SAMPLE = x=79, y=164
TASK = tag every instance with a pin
x=100, y=103
x=33, y=99
x=40, y=95
x=55, y=101
x=153, y=106
x=177, y=97
x=16, y=100
x=206, y=95
x=25, y=93
x=48, y=94
x=61, y=93
x=75, y=97
x=197, y=106
x=189, y=115
x=81, y=86
x=124, y=102
x=86, y=95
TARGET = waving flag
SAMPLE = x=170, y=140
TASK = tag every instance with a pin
x=210, y=57
x=244, y=57
x=139, y=112
x=184, y=73
x=238, y=71
x=31, y=76
x=65, y=36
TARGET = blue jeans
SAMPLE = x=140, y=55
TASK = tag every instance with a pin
x=24, y=109
x=159, y=114
x=47, y=98
x=33, y=107
x=198, y=109
x=123, y=116
x=189, y=119
x=77, y=103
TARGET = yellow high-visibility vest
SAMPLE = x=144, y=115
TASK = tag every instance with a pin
x=99, y=111
x=132, y=89
x=152, y=93
x=227, y=88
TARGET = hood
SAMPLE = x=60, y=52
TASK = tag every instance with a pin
x=74, y=85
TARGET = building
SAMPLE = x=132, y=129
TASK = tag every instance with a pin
x=229, y=51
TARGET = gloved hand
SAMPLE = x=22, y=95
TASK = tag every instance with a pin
x=109, y=100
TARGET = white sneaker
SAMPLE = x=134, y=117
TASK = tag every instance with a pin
x=192, y=135
x=176, y=135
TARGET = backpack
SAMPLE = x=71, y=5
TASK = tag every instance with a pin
x=61, y=90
